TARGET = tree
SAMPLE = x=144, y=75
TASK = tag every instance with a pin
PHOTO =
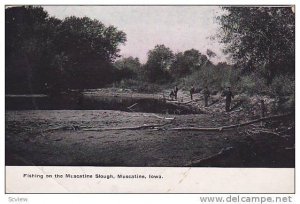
x=84, y=37
x=129, y=63
x=26, y=40
x=90, y=47
x=73, y=53
x=260, y=39
x=158, y=63
x=187, y=62
x=180, y=66
x=128, y=67
x=210, y=54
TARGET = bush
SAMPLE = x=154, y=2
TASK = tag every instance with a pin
x=282, y=86
x=252, y=85
x=215, y=77
x=283, y=89
x=138, y=86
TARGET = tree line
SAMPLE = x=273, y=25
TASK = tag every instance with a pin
x=73, y=53
x=163, y=65
x=78, y=53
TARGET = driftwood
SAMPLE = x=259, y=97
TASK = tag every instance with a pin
x=178, y=129
x=173, y=102
x=196, y=100
x=179, y=103
x=132, y=106
x=268, y=132
x=72, y=127
x=221, y=153
x=55, y=128
x=126, y=128
x=157, y=116
x=214, y=102
x=229, y=126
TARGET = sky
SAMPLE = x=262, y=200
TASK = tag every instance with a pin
x=178, y=27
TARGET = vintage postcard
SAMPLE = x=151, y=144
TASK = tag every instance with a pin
x=149, y=99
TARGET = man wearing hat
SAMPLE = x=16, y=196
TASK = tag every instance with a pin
x=206, y=94
x=176, y=91
x=192, y=91
x=228, y=94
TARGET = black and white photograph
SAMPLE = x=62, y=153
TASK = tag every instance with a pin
x=150, y=86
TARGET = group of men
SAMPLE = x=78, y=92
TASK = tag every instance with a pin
x=206, y=94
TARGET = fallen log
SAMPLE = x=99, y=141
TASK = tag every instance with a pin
x=65, y=127
x=126, y=128
x=55, y=128
x=157, y=116
x=180, y=103
x=229, y=126
x=214, y=102
x=268, y=132
x=177, y=129
x=196, y=100
x=132, y=106
x=211, y=158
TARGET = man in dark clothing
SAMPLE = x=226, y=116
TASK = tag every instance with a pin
x=176, y=91
x=172, y=95
x=192, y=91
x=228, y=94
x=206, y=94
x=263, y=111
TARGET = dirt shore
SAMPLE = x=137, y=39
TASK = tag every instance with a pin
x=63, y=137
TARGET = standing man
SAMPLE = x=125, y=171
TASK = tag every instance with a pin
x=172, y=95
x=176, y=91
x=206, y=94
x=228, y=94
x=263, y=111
x=192, y=91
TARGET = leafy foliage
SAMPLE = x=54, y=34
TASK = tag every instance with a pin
x=187, y=62
x=26, y=41
x=84, y=53
x=210, y=53
x=216, y=77
x=70, y=53
x=129, y=68
x=158, y=63
x=260, y=39
x=90, y=48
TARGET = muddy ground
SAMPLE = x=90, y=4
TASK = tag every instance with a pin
x=69, y=137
